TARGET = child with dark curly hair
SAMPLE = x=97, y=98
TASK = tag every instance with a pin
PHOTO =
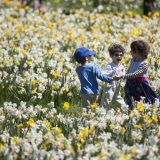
x=137, y=85
x=111, y=96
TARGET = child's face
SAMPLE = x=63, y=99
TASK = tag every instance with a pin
x=89, y=58
x=135, y=55
x=117, y=57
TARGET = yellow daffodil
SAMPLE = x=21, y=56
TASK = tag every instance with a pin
x=65, y=71
x=125, y=157
x=34, y=81
x=84, y=132
x=29, y=63
x=27, y=8
x=34, y=90
x=122, y=130
x=15, y=140
x=57, y=131
x=7, y=32
x=155, y=118
x=70, y=35
x=56, y=74
x=156, y=14
x=138, y=126
x=54, y=37
x=140, y=107
x=133, y=150
x=54, y=87
x=121, y=38
x=82, y=140
x=20, y=125
x=59, y=21
x=78, y=146
x=158, y=61
x=135, y=31
x=1, y=146
x=45, y=144
x=145, y=116
x=94, y=105
x=123, y=61
x=17, y=63
x=92, y=130
x=47, y=124
x=106, y=29
x=66, y=105
x=19, y=27
x=149, y=59
x=148, y=122
x=102, y=155
x=130, y=14
x=30, y=122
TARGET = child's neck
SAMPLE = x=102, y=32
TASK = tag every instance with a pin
x=85, y=63
x=138, y=59
x=116, y=63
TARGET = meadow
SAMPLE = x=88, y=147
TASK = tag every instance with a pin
x=41, y=117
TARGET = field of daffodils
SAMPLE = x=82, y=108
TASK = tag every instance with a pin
x=40, y=113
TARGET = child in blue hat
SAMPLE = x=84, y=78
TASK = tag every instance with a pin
x=88, y=74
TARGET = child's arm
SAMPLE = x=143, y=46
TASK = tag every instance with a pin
x=101, y=76
x=139, y=72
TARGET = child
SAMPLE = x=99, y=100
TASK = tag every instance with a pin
x=88, y=74
x=111, y=96
x=137, y=85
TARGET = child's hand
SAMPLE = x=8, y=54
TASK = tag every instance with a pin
x=116, y=78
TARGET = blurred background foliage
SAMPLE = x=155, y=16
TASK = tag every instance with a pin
x=109, y=5
x=145, y=7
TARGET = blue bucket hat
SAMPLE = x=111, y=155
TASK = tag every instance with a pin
x=82, y=52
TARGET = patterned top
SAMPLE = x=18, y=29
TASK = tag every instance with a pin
x=137, y=69
x=112, y=69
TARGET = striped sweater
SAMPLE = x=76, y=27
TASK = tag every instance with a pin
x=137, y=69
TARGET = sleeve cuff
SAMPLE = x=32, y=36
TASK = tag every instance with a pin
x=110, y=79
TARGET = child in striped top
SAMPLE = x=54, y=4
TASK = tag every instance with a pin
x=137, y=85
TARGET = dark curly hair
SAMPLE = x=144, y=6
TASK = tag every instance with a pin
x=140, y=47
x=115, y=47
